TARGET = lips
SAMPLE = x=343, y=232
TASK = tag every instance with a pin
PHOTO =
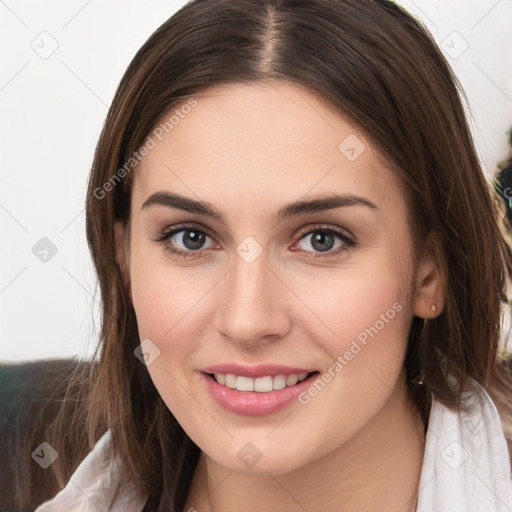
x=256, y=390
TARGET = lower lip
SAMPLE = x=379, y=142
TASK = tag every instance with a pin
x=254, y=403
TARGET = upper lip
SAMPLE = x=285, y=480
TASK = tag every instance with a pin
x=260, y=370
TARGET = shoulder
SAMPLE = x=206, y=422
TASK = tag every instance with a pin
x=466, y=465
x=94, y=484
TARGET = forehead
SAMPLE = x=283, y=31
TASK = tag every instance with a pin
x=274, y=141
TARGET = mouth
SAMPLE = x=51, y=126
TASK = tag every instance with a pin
x=264, y=384
x=256, y=391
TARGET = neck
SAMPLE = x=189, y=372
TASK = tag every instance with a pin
x=378, y=469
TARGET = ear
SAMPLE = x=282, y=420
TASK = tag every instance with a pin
x=430, y=287
x=122, y=242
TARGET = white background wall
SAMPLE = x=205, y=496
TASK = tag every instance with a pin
x=52, y=110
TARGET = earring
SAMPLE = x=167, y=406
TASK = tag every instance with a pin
x=433, y=308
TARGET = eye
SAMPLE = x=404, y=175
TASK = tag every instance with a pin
x=187, y=241
x=183, y=241
x=324, y=238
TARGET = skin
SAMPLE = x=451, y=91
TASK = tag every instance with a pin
x=249, y=150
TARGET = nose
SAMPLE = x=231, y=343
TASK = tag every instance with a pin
x=253, y=304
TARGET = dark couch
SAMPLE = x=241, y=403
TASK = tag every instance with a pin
x=31, y=394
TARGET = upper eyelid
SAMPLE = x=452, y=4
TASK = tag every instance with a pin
x=326, y=227
x=184, y=227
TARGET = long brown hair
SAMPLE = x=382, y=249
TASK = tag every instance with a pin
x=379, y=67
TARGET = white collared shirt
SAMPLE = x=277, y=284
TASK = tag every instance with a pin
x=466, y=468
x=466, y=465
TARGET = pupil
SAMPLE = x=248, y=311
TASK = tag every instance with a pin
x=321, y=238
x=194, y=240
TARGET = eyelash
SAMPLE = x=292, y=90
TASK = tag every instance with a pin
x=349, y=242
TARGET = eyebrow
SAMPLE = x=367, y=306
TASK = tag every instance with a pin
x=319, y=204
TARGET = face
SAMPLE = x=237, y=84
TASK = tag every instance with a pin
x=302, y=311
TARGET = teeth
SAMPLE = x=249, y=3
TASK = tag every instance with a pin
x=230, y=381
x=260, y=384
x=244, y=384
x=291, y=380
x=263, y=384
x=279, y=382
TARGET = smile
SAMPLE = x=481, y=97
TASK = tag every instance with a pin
x=256, y=390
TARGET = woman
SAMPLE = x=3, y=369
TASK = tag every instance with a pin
x=301, y=272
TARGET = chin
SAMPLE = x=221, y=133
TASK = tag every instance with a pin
x=248, y=459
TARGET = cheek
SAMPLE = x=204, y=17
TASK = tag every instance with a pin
x=366, y=325
x=360, y=305
x=166, y=304
x=373, y=302
x=170, y=304
x=165, y=296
